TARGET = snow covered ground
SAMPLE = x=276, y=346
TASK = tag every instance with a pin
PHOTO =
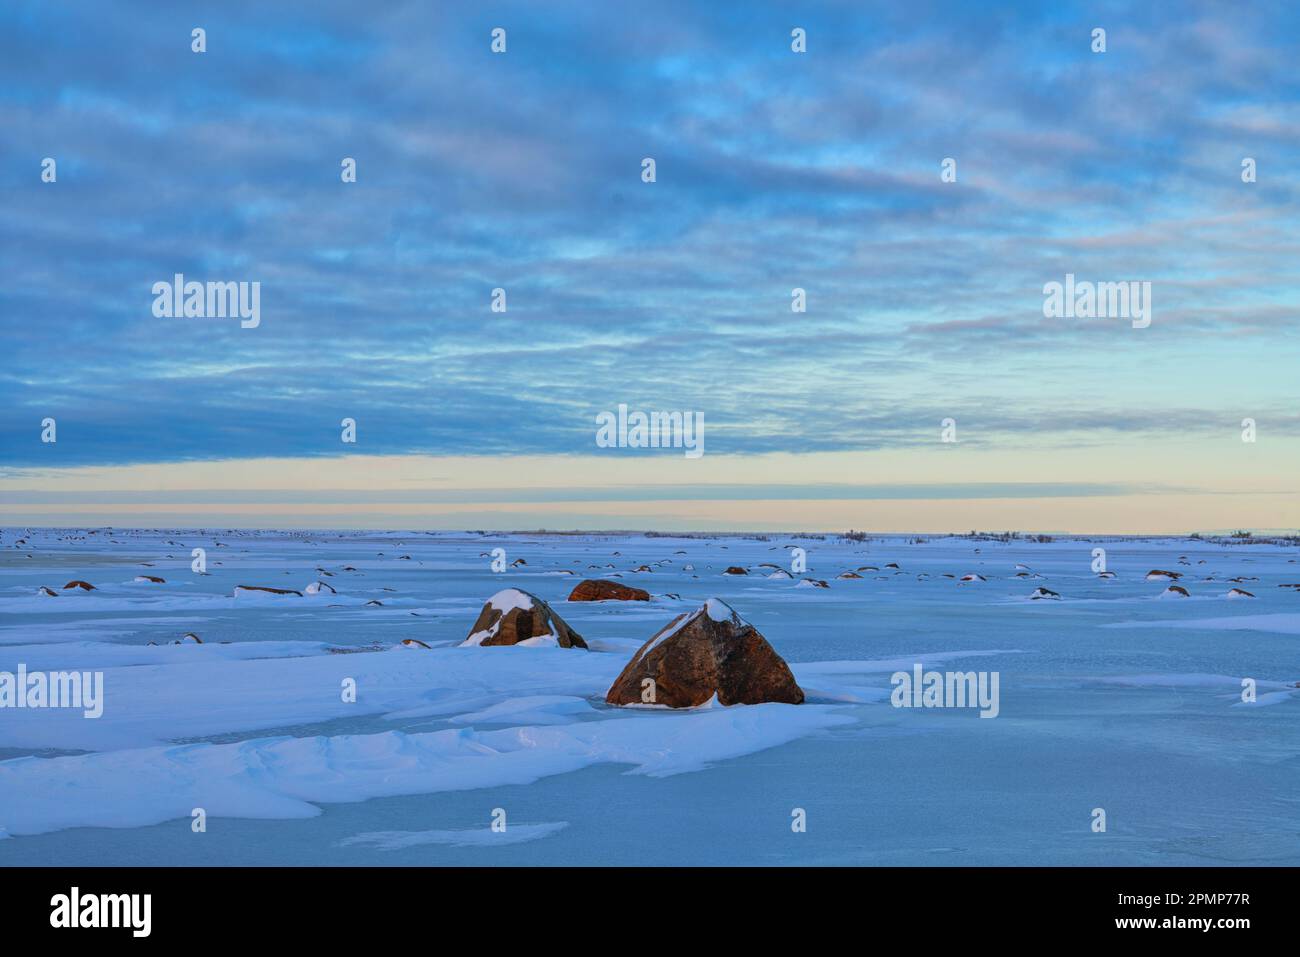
x=1111, y=697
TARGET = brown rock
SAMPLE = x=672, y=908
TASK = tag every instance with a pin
x=710, y=651
x=273, y=591
x=600, y=589
x=736, y=570
x=1159, y=574
x=513, y=617
x=78, y=583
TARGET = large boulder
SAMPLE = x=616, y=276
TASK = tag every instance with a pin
x=515, y=617
x=602, y=589
x=710, y=651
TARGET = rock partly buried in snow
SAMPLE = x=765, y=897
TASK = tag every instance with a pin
x=710, y=652
x=972, y=577
x=240, y=589
x=47, y=592
x=1175, y=591
x=1238, y=593
x=848, y=575
x=780, y=573
x=812, y=583
x=515, y=617
x=736, y=570
x=412, y=643
x=1106, y=575
x=1040, y=593
x=189, y=638
x=320, y=587
x=78, y=583
x=600, y=589
x=151, y=578
x=1157, y=575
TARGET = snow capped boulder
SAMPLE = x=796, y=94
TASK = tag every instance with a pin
x=701, y=655
x=1040, y=593
x=78, y=583
x=1106, y=575
x=319, y=587
x=736, y=570
x=1238, y=593
x=150, y=578
x=245, y=589
x=599, y=589
x=812, y=583
x=972, y=577
x=47, y=592
x=1175, y=591
x=1157, y=575
x=515, y=617
x=781, y=574
x=189, y=638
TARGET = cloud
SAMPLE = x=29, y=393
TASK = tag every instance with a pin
x=776, y=170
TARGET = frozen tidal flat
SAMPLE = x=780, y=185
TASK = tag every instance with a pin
x=1110, y=697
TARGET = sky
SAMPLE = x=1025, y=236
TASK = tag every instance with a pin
x=774, y=170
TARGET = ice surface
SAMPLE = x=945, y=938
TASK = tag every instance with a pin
x=1108, y=698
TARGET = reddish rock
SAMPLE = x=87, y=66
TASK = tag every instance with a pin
x=513, y=617
x=736, y=570
x=273, y=591
x=78, y=583
x=1159, y=575
x=600, y=589
x=710, y=651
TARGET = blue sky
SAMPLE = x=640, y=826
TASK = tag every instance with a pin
x=774, y=170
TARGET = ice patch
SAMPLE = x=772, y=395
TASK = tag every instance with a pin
x=288, y=777
x=1282, y=624
x=460, y=837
